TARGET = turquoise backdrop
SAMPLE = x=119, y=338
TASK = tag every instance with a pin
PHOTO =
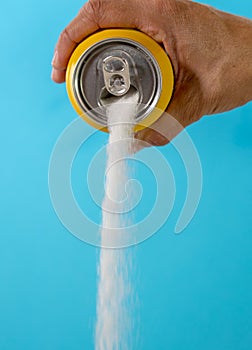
x=194, y=289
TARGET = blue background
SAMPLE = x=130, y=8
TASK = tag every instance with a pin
x=195, y=289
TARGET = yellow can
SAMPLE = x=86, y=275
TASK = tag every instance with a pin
x=113, y=63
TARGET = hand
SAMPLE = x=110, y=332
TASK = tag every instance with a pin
x=210, y=51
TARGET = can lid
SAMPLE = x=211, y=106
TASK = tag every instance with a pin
x=113, y=62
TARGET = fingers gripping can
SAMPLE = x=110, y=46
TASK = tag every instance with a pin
x=112, y=63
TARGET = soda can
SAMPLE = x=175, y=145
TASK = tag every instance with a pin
x=112, y=63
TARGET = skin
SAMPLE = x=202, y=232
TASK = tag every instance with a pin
x=210, y=51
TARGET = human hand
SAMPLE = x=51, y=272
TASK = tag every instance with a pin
x=210, y=51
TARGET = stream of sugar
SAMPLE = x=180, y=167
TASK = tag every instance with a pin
x=115, y=297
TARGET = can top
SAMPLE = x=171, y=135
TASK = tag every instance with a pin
x=113, y=63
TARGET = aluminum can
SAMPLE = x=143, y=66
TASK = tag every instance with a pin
x=112, y=63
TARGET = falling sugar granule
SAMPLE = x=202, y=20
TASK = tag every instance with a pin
x=115, y=299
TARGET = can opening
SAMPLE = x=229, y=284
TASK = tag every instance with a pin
x=107, y=98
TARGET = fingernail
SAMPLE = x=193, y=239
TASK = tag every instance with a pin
x=55, y=57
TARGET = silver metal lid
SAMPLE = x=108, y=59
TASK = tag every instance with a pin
x=115, y=67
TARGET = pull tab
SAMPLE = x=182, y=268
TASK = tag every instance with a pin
x=116, y=75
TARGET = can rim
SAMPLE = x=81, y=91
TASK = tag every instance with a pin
x=142, y=39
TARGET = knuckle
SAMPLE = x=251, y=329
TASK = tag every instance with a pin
x=66, y=37
x=93, y=9
x=170, y=7
x=161, y=5
x=65, y=34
